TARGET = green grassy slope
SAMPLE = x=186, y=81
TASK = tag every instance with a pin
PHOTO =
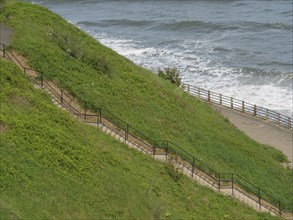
x=53, y=167
x=99, y=77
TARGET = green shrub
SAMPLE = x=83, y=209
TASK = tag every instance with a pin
x=171, y=74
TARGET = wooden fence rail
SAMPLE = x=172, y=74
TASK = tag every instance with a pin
x=240, y=105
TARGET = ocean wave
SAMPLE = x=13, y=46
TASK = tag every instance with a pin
x=272, y=26
x=263, y=73
x=194, y=24
x=197, y=24
x=117, y=22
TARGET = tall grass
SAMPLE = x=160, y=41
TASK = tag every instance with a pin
x=53, y=167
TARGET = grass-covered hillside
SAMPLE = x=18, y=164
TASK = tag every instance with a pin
x=53, y=167
x=99, y=77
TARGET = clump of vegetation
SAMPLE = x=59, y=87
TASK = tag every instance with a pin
x=174, y=171
x=171, y=74
x=2, y=2
x=68, y=43
x=75, y=47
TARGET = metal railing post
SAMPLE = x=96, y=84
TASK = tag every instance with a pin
x=243, y=107
x=100, y=115
x=279, y=122
x=220, y=99
x=254, y=110
x=219, y=182
x=232, y=184
x=167, y=153
x=188, y=88
x=259, y=198
x=61, y=97
x=289, y=123
x=126, y=132
x=42, y=79
x=192, y=167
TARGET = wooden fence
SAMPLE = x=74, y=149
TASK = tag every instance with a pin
x=240, y=106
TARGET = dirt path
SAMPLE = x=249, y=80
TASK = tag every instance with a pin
x=5, y=34
x=261, y=130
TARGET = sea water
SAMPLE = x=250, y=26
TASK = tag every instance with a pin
x=240, y=48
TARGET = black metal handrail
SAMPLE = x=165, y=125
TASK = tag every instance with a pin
x=169, y=146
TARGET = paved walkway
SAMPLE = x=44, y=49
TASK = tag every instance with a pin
x=261, y=130
x=5, y=34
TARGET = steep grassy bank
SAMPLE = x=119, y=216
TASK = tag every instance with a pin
x=99, y=77
x=53, y=167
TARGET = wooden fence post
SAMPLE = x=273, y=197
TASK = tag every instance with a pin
x=220, y=99
x=279, y=122
x=188, y=87
x=254, y=110
x=243, y=107
x=231, y=102
x=289, y=123
x=209, y=96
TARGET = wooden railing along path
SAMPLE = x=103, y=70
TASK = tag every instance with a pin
x=240, y=106
x=228, y=183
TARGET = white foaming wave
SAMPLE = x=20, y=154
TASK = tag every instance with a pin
x=226, y=81
x=202, y=72
x=37, y=3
